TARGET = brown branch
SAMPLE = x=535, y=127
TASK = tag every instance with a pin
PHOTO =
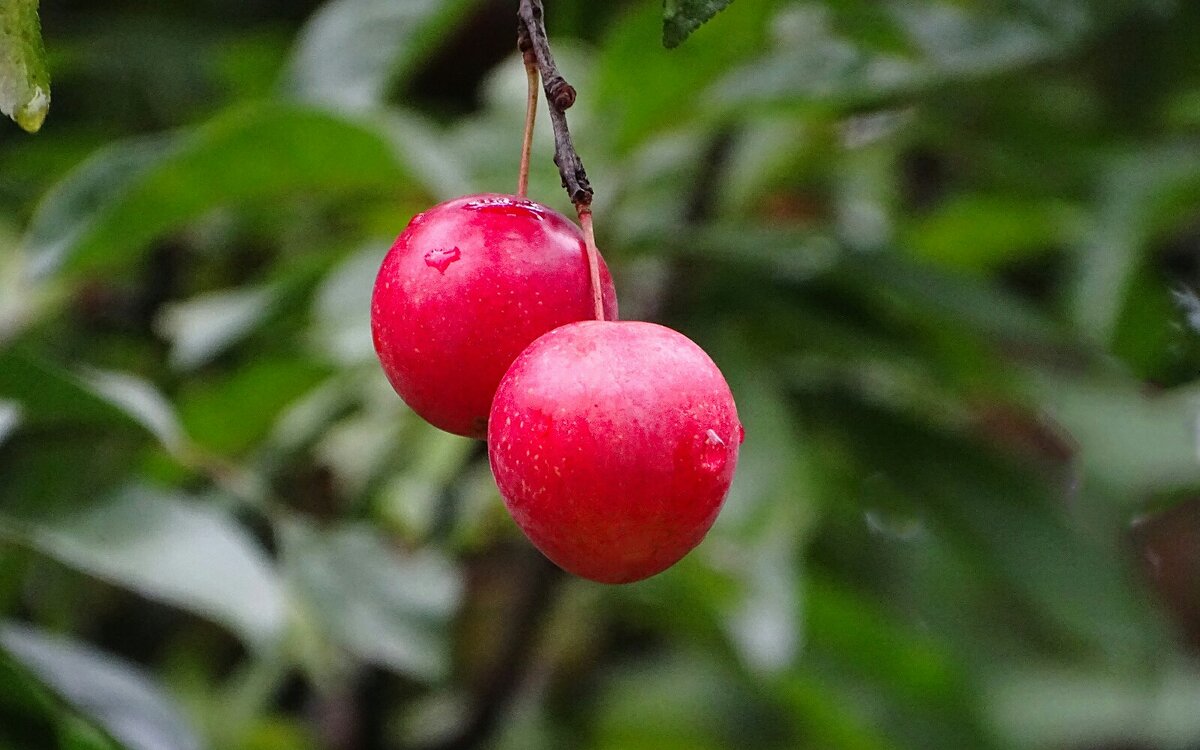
x=540, y=582
x=560, y=95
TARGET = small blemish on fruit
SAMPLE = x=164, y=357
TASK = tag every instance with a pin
x=441, y=258
x=713, y=454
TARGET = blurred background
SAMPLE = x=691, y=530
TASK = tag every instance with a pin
x=947, y=253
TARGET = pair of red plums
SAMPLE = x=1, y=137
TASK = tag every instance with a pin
x=613, y=443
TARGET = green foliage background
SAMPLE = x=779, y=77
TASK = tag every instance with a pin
x=946, y=252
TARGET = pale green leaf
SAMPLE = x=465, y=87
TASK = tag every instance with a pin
x=203, y=327
x=352, y=51
x=165, y=547
x=118, y=697
x=108, y=212
x=382, y=606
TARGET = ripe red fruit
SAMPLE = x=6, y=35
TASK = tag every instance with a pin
x=468, y=285
x=613, y=445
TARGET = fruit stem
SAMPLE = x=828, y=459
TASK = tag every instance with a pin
x=593, y=258
x=531, y=101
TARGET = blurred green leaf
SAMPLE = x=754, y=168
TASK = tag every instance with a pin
x=682, y=17
x=249, y=154
x=342, y=306
x=119, y=698
x=24, y=76
x=830, y=54
x=10, y=418
x=631, y=54
x=48, y=395
x=256, y=392
x=832, y=716
x=1008, y=521
x=1156, y=447
x=812, y=64
x=77, y=734
x=191, y=555
x=869, y=640
x=979, y=305
x=141, y=401
x=72, y=208
x=352, y=51
x=201, y=328
x=981, y=232
x=1059, y=707
x=28, y=711
x=383, y=606
x=685, y=696
x=1141, y=194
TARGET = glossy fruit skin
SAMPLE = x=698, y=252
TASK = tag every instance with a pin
x=467, y=286
x=614, y=445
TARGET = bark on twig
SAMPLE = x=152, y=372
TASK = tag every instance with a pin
x=560, y=95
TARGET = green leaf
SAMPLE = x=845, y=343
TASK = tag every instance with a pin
x=24, y=77
x=1142, y=193
x=821, y=58
x=203, y=327
x=107, y=212
x=21, y=695
x=352, y=52
x=48, y=396
x=70, y=209
x=1057, y=707
x=976, y=304
x=631, y=113
x=142, y=402
x=388, y=608
x=981, y=232
x=682, y=17
x=113, y=694
x=40, y=395
x=178, y=551
x=342, y=306
x=256, y=392
x=1009, y=522
x=813, y=63
x=1128, y=440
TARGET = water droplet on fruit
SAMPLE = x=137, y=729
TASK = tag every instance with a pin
x=713, y=453
x=441, y=258
x=506, y=205
x=741, y=434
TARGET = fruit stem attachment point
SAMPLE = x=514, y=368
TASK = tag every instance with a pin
x=593, y=259
x=560, y=95
x=531, y=101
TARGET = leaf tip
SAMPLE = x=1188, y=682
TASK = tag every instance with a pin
x=32, y=113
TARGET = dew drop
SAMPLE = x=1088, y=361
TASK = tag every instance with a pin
x=441, y=258
x=741, y=434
